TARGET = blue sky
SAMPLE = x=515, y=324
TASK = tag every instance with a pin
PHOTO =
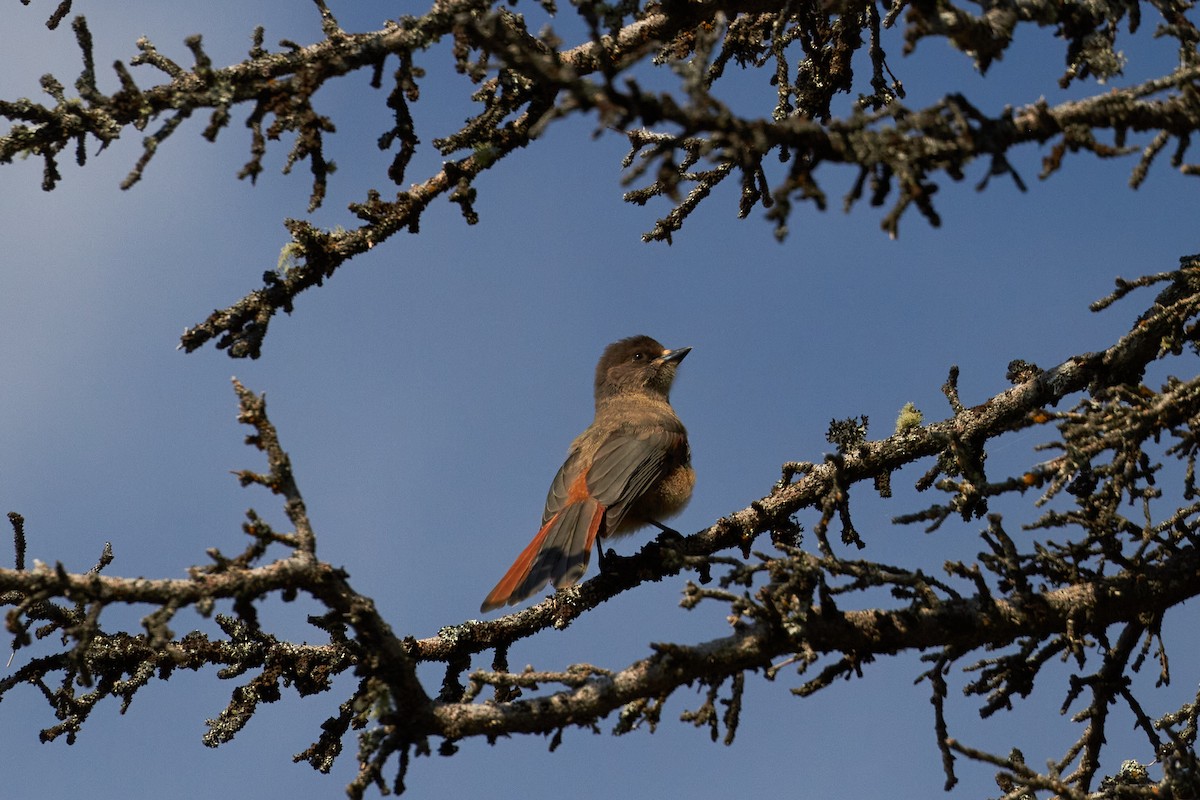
x=463, y=357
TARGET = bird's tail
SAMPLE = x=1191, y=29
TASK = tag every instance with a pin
x=558, y=554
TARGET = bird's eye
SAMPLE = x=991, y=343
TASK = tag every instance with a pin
x=639, y=356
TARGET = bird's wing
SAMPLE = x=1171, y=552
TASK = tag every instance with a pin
x=627, y=464
x=560, y=487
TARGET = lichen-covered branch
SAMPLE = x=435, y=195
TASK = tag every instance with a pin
x=1085, y=581
x=685, y=141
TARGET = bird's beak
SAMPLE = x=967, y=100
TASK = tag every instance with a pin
x=674, y=355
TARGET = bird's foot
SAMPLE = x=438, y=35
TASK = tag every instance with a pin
x=603, y=563
x=667, y=535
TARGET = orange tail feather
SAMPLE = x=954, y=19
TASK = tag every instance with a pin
x=560, y=551
x=500, y=595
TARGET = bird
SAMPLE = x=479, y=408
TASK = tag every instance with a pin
x=631, y=468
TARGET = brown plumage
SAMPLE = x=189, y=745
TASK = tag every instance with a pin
x=632, y=467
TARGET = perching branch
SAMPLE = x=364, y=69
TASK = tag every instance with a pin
x=1097, y=591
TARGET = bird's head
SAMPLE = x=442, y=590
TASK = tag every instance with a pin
x=638, y=365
